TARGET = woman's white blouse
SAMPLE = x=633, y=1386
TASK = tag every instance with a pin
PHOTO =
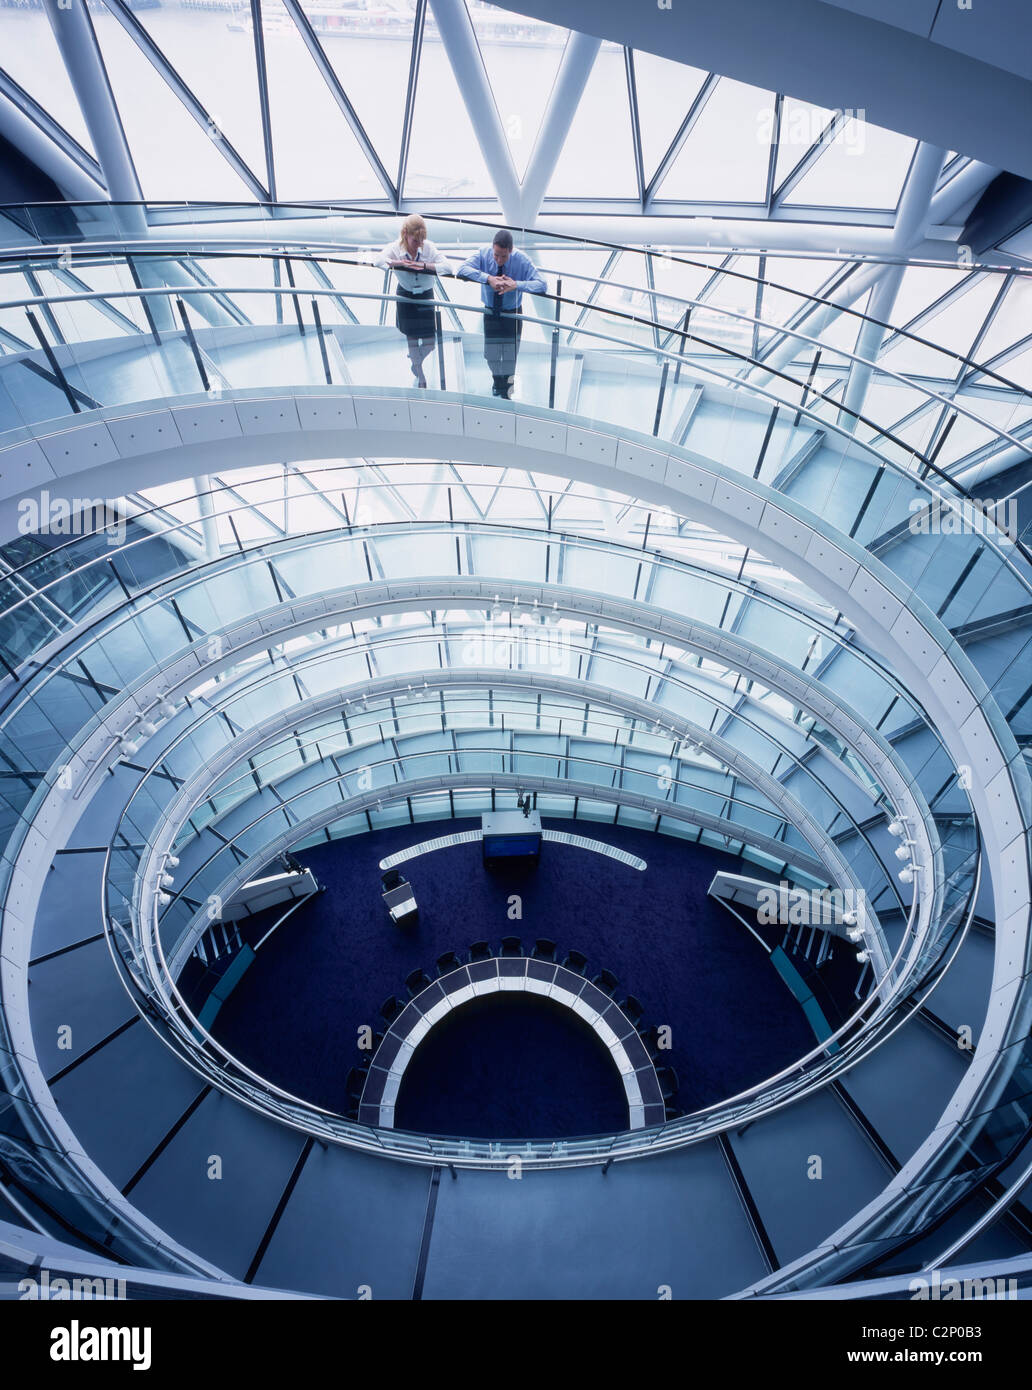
x=413, y=280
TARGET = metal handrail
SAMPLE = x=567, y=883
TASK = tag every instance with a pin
x=190, y=580
x=1005, y=552
x=159, y=511
x=271, y=210
x=671, y=330
x=818, y=1052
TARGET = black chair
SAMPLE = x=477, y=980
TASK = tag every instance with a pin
x=480, y=950
x=671, y=1112
x=668, y=1084
x=632, y=1010
x=574, y=960
x=353, y=1084
x=391, y=1008
x=448, y=962
x=544, y=949
x=606, y=981
x=650, y=1037
x=417, y=982
x=512, y=946
x=391, y=879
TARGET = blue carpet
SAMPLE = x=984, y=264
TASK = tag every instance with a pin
x=511, y=1066
x=295, y=1015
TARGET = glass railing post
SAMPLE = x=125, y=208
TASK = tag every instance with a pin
x=322, y=342
x=554, y=354
x=195, y=350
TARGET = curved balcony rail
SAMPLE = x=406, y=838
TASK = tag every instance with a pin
x=850, y=1044
x=330, y=790
x=865, y=485
x=222, y=592
x=175, y=1022
x=977, y=569
x=744, y=818
x=143, y=830
x=150, y=649
x=192, y=601
x=195, y=336
x=643, y=752
x=294, y=568
x=237, y=558
x=989, y=563
x=651, y=276
x=45, y=591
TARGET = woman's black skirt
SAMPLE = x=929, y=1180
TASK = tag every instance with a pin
x=416, y=313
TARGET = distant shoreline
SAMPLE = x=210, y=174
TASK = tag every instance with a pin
x=330, y=22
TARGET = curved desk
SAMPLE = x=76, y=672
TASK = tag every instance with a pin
x=451, y=991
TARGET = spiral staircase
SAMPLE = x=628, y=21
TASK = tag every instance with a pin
x=684, y=583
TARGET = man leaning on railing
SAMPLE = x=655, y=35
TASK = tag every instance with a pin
x=504, y=275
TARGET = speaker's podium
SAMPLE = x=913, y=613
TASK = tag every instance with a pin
x=510, y=837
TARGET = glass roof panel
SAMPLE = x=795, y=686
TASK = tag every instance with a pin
x=905, y=355
x=665, y=92
x=725, y=157
x=521, y=57
x=370, y=51
x=956, y=325
x=843, y=330
x=920, y=287
x=864, y=166
x=213, y=52
x=444, y=156
x=31, y=56
x=597, y=158
x=686, y=281
x=579, y=268
x=1012, y=322
x=174, y=157
x=316, y=153
x=733, y=291
x=1017, y=368
x=808, y=276
x=801, y=127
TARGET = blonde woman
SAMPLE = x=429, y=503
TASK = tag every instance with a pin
x=415, y=260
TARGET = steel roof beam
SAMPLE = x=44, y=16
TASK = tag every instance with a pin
x=463, y=51
x=574, y=70
x=39, y=137
x=80, y=52
x=914, y=204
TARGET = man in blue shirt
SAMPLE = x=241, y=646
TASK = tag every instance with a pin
x=503, y=274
